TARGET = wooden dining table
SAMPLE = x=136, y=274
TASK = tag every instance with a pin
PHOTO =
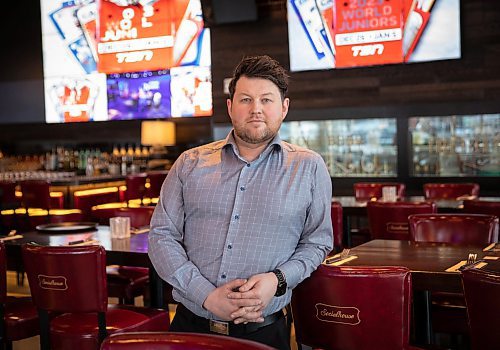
x=428, y=263
x=132, y=251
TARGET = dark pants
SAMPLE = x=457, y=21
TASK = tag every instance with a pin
x=275, y=334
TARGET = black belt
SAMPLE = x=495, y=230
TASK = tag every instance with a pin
x=229, y=328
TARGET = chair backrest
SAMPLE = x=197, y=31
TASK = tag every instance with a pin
x=474, y=229
x=36, y=194
x=482, y=207
x=389, y=220
x=347, y=308
x=369, y=190
x=67, y=279
x=337, y=224
x=450, y=190
x=177, y=341
x=482, y=291
x=3, y=274
x=86, y=199
x=139, y=217
x=136, y=186
x=8, y=199
x=155, y=179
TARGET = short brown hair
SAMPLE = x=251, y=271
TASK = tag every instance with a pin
x=263, y=67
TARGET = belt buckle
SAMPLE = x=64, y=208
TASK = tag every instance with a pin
x=219, y=327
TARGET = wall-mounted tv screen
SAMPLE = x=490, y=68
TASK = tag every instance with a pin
x=125, y=59
x=326, y=34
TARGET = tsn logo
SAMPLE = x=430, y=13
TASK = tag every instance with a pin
x=367, y=50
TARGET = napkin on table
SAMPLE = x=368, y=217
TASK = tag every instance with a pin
x=8, y=238
x=460, y=264
x=341, y=261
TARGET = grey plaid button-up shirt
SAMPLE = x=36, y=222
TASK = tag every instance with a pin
x=220, y=218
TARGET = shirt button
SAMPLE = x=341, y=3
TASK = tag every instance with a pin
x=248, y=164
x=242, y=188
x=229, y=246
x=223, y=275
x=236, y=216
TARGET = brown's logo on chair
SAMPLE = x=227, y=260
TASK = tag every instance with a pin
x=397, y=227
x=52, y=282
x=338, y=314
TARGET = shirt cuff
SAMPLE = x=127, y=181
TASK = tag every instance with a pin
x=198, y=290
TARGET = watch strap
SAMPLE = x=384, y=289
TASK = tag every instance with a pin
x=282, y=285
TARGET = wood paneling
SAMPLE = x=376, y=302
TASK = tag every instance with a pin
x=473, y=80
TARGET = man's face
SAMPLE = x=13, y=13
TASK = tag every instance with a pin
x=256, y=110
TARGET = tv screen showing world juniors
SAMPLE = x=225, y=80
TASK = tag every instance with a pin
x=326, y=34
x=125, y=59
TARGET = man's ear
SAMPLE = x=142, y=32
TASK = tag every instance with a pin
x=284, y=107
x=229, y=104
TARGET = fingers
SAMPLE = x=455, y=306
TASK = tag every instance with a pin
x=240, y=303
x=244, y=320
x=248, y=285
x=235, y=284
x=247, y=314
x=242, y=311
x=246, y=295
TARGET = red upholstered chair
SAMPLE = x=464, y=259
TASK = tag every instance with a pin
x=337, y=224
x=8, y=199
x=482, y=207
x=448, y=309
x=482, y=291
x=126, y=282
x=351, y=308
x=71, y=281
x=178, y=341
x=136, y=187
x=450, y=190
x=475, y=229
x=86, y=199
x=369, y=190
x=37, y=201
x=8, y=204
x=389, y=220
x=36, y=194
x=155, y=181
x=19, y=317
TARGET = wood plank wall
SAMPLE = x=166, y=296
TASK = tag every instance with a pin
x=467, y=85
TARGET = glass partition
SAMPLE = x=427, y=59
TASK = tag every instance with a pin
x=467, y=145
x=350, y=148
x=446, y=146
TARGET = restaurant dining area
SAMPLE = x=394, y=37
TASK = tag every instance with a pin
x=137, y=204
x=427, y=273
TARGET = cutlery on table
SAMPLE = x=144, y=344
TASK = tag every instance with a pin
x=337, y=257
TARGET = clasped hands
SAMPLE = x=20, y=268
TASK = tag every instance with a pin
x=241, y=300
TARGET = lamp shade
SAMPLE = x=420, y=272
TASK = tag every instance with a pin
x=157, y=133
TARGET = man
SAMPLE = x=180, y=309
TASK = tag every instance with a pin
x=242, y=221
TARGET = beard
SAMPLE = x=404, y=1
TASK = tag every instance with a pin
x=255, y=136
